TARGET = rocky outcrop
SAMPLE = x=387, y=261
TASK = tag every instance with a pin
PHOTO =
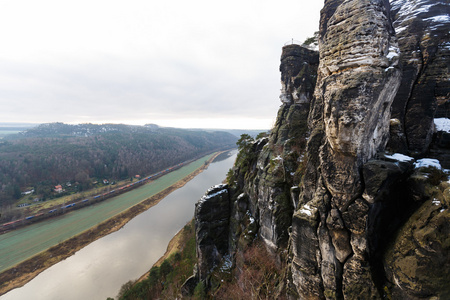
x=417, y=262
x=265, y=171
x=298, y=74
x=440, y=147
x=212, y=217
x=277, y=162
x=422, y=28
x=358, y=75
x=337, y=211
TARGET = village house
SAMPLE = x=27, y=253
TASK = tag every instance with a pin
x=58, y=189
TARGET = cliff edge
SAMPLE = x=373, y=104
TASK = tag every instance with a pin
x=346, y=193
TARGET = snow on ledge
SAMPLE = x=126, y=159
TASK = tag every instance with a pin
x=399, y=157
x=393, y=52
x=306, y=210
x=436, y=201
x=439, y=19
x=278, y=158
x=428, y=162
x=442, y=124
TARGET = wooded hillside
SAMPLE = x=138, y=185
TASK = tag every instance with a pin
x=57, y=153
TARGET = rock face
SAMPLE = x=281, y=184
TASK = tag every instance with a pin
x=339, y=213
x=298, y=74
x=277, y=159
x=264, y=172
x=357, y=80
x=423, y=31
x=212, y=216
x=418, y=261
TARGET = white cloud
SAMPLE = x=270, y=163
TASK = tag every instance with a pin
x=123, y=61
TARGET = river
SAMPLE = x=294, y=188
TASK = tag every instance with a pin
x=98, y=270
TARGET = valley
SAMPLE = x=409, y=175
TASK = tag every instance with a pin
x=57, y=238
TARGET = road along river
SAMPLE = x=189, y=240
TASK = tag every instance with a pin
x=98, y=270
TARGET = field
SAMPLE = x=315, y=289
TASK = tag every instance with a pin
x=21, y=244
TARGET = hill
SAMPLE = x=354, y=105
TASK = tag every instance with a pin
x=78, y=156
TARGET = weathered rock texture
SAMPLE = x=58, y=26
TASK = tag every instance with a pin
x=357, y=80
x=265, y=172
x=212, y=217
x=338, y=212
x=298, y=74
x=417, y=263
x=277, y=160
x=423, y=31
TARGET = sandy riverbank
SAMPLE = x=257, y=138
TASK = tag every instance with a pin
x=24, y=272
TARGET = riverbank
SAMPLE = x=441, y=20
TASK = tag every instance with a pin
x=169, y=273
x=176, y=244
x=27, y=270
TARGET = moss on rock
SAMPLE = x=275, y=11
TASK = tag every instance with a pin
x=418, y=263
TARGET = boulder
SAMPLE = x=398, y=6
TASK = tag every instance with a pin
x=418, y=261
x=380, y=176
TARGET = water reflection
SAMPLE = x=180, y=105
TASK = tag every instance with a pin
x=98, y=270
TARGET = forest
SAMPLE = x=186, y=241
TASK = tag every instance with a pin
x=52, y=154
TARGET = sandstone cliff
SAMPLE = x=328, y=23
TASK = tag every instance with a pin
x=358, y=79
x=422, y=28
x=342, y=214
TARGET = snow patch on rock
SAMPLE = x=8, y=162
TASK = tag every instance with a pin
x=400, y=157
x=428, y=162
x=306, y=209
x=442, y=124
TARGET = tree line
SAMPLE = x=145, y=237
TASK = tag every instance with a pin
x=41, y=162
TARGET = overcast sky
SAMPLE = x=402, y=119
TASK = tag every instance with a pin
x=197, y=63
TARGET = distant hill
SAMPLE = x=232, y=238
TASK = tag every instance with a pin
x=84, y=130
x=55, y=153
x=13, y=128
x=239, y=132
x=79, y=130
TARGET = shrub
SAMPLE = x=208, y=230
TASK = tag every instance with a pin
x=126, y=287
x=258, y=278
x=199, y=291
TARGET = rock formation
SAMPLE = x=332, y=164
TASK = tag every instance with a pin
x=417, y=262
x=422, y=28
x=265, y=172
x=277, y=160
x=358, y=78
x=344, y=218
x=211, y=229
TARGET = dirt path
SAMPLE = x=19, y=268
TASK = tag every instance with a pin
x=24, y=272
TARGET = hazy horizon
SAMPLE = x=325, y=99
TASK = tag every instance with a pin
x=177, y=64
x=28, y=125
